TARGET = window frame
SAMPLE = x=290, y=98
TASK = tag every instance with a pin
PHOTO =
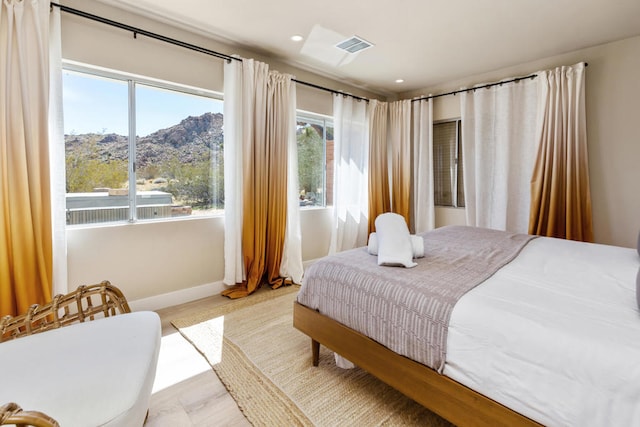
x=132, y=80
x=458, y=166
x=324, y=121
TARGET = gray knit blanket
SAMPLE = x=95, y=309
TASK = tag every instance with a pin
x=408, y=309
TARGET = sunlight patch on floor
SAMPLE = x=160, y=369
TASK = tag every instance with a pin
x=179, y=360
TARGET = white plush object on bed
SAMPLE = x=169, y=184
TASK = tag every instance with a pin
x=394, y=241
x=98, y=373
x=554, y=335
x=417, y=245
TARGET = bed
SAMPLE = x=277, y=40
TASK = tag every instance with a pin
x=549, y=338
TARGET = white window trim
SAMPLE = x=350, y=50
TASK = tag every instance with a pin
x=454, y=180
x=323, y=120
x=132, y=79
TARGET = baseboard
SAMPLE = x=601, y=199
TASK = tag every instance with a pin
x=157, y=302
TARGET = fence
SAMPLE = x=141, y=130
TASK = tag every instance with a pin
x=115, y=213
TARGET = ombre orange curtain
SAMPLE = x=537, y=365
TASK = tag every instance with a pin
x=278, y=129
x=400, y=133
x=254, y=171
x=265, y=145
x=400, y=141
x=379, y=197
x=26, y=259
x=560, y=194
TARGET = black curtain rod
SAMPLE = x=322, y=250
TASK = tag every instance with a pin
x=517, y=79
x=169, y=40
x=336, y=92
x=137, y=31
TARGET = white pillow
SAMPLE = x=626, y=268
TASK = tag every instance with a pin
x=394, y=241
x=417, y=242
x=372, y=244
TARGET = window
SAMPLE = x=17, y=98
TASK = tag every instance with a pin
x=162, y=141
x=315, y=160
x=447, y=164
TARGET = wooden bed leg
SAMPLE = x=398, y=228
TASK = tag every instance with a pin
x=315, y=351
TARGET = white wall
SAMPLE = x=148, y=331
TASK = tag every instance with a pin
x=613, y=112
x=147, y=259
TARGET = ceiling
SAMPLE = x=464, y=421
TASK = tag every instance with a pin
x=423, y=42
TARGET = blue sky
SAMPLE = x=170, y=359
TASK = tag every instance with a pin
x=99, y=105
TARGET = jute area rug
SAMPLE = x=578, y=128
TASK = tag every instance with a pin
x=265, y=364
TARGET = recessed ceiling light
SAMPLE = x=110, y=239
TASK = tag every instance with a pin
x=297, y=38
x=399, y=80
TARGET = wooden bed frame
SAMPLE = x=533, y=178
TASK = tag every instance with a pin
x=444, y=396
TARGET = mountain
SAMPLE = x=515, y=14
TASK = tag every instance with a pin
x=188, y=141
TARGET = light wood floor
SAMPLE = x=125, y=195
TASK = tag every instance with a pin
x=187, y=392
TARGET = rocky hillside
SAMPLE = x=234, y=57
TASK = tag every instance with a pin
x=188, y=141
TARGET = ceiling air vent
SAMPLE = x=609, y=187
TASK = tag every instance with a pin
x=354, y=44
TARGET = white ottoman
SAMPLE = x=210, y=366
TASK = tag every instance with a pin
x=98, y=373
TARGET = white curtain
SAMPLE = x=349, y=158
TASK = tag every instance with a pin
x=423, y=210
x=234, y=270
x=291, y=265
x=498, y=140
x=57, y=157
x=350, y=185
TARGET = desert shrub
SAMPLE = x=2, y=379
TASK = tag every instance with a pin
x=83, y=175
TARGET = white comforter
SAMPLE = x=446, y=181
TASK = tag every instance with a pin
x=554, y=335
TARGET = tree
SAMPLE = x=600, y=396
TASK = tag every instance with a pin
x=86, y=170
x=199, y=183
x=310, y=159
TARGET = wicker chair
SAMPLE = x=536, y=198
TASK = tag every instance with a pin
x=12, y=414
x=84, y=304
